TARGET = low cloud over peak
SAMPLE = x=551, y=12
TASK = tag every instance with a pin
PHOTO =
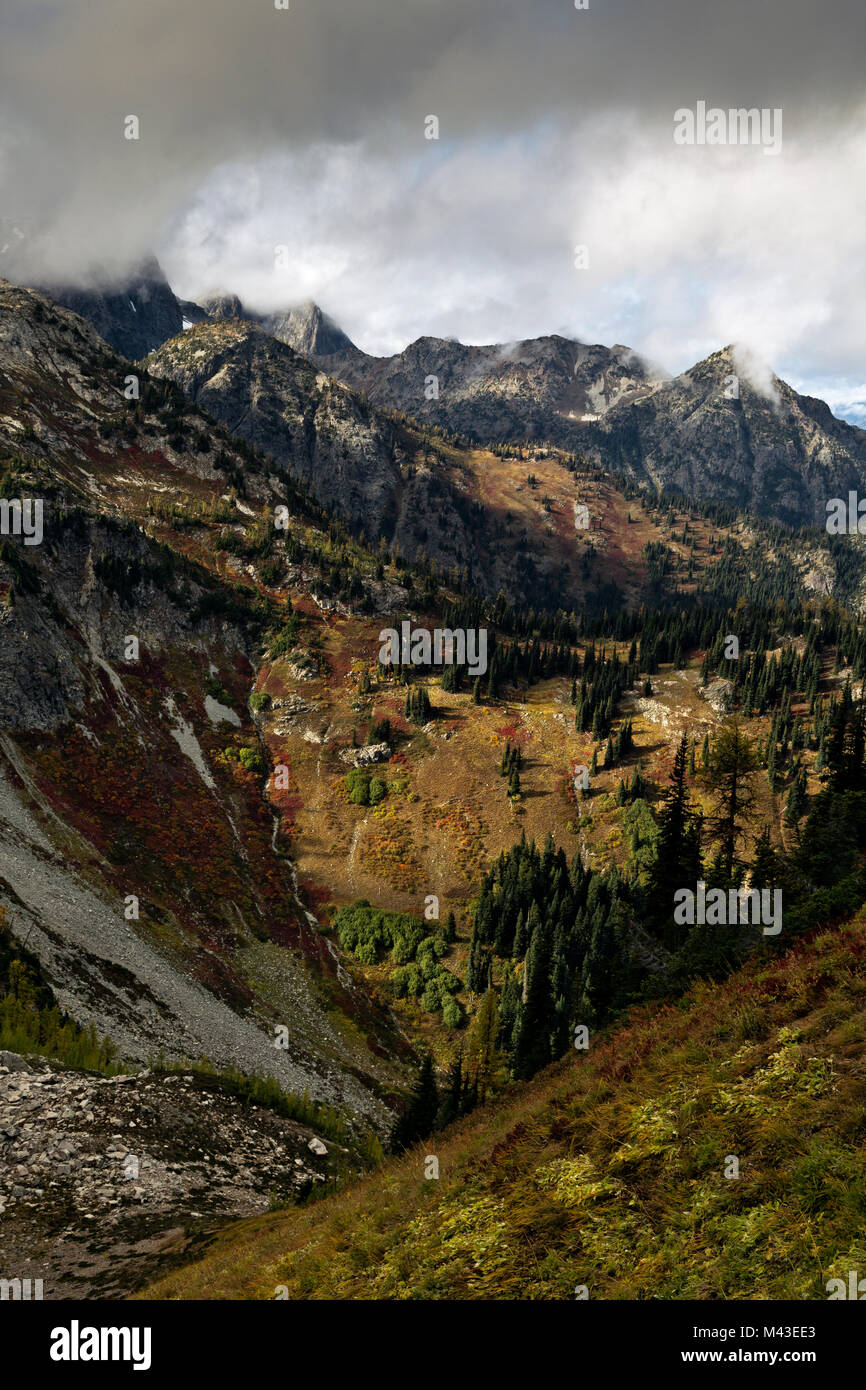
x=282, y=156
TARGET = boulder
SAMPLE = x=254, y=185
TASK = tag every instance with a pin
x=13, y=1061
x=366, y=757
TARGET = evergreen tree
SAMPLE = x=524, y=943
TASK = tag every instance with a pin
x=730, y=778
x=535, y=1015
x=798, y=800
x=766, y=870
x=678, y=850
x=419, y=1117
x=451, y=1104
x=482, y=1043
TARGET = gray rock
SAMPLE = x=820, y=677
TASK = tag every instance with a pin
x=366, y=757
x=719, y=694
x=14, y=1062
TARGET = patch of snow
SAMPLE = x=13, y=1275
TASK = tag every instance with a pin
x=184, y=736
x=220, y=714
x=132, y=306
x=185, y=324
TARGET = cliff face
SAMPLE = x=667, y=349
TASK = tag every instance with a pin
x=134, y=315
x=309, y=331
x=265, y=393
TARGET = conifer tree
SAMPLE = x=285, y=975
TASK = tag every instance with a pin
x=730, y=778
x=535, y=1015
x=766, y=864
x=798, y=800
x=482, y=1043
x=419, y=1118
x=678, y=850
x=451, y=1103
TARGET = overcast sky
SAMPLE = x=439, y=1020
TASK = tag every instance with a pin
x=305, y=129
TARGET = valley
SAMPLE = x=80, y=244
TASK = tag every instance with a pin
x=367, y=900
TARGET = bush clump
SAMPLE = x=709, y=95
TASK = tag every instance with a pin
x=415, y=950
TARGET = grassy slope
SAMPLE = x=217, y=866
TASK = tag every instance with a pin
x=608, y=1169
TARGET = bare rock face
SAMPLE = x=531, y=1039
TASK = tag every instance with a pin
x=347, y=453
x=309, y=331
x=224, y=306
x=540, y=389
x=723, y=432
x=714, y=434
x=135, y=314
x=261, y=390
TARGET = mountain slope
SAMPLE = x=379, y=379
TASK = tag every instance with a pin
x=133, y=781
x=134, y=314
x=386, y=476
x=763, y=448
x=268, y=395
x=608, y=1171
x=545, y=528
x=770, y=451
x=517, y=391
x=710, y=433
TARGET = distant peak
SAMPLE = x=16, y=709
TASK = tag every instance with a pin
x=309, y=330
x=226, y=306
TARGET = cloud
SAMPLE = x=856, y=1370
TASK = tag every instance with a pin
x=305, y=128
x=758, y=373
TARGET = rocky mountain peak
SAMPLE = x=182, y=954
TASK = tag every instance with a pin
x=226, y=306
x=134, y=312
x=308, y=330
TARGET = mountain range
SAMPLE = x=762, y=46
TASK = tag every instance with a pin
x=726, y=431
